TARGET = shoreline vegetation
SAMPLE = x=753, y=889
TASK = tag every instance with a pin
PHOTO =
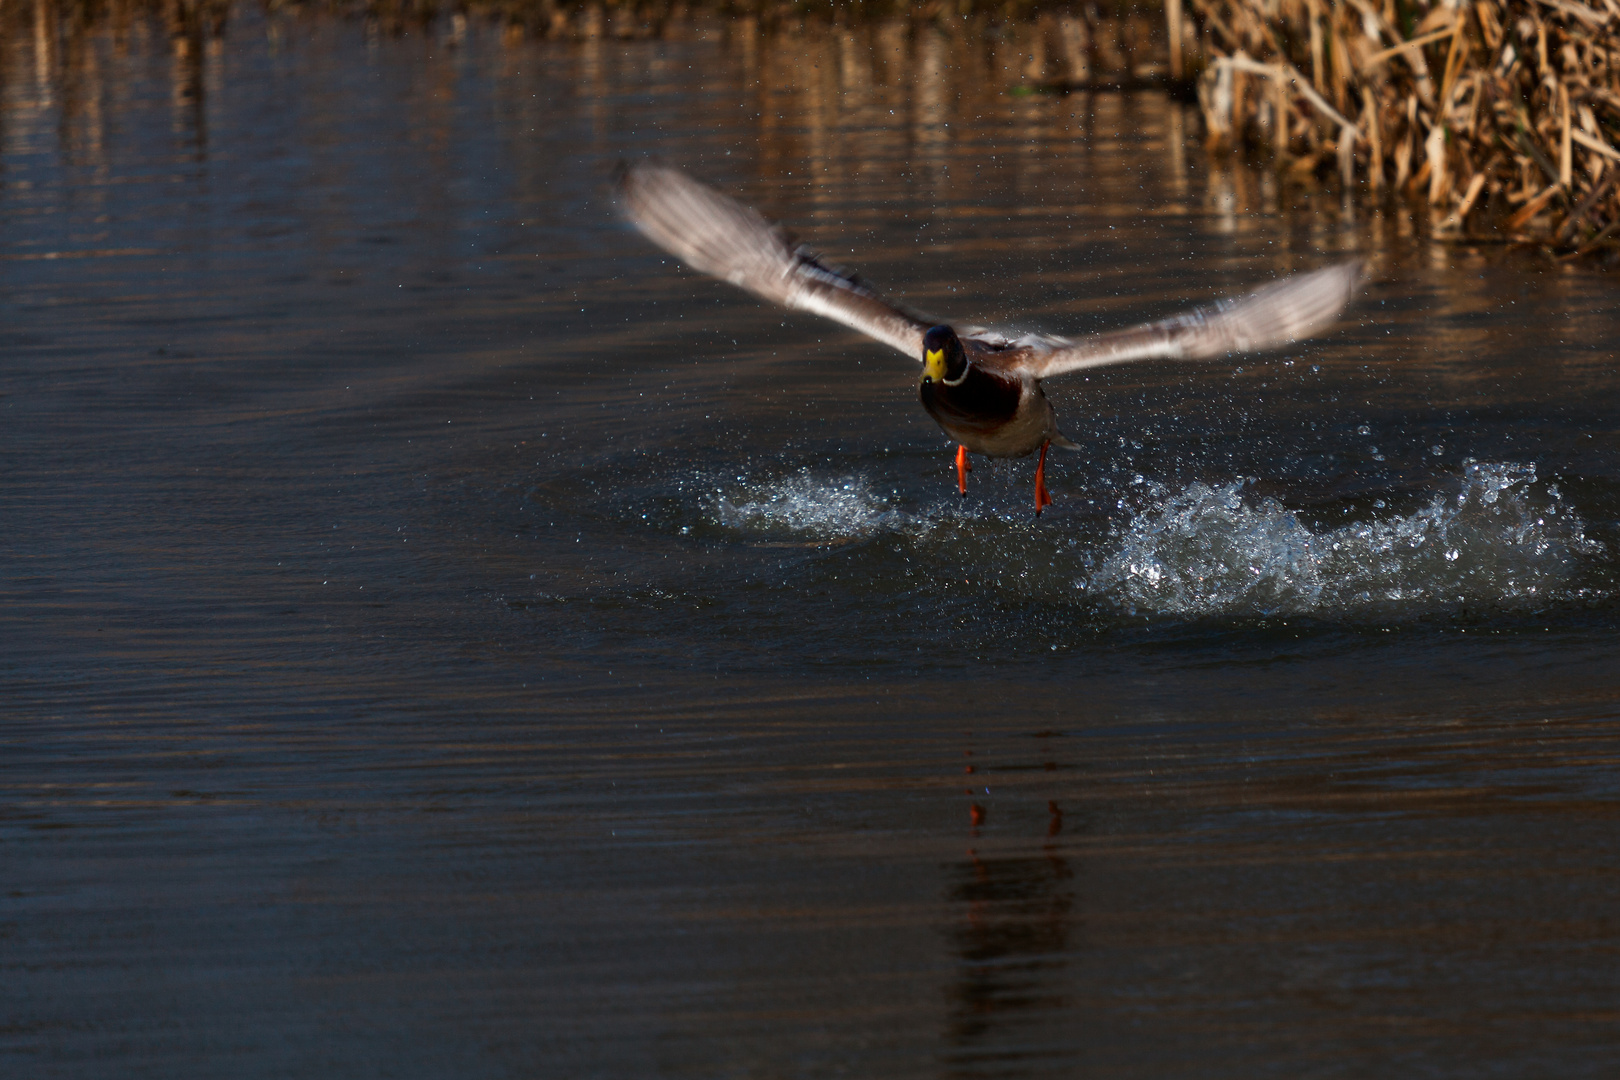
x=1504, y=117
x=1498, y=120
x=1501, y=116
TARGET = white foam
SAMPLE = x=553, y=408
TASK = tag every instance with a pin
x=1208, y=551
x=820, y=508
x=1495, y=539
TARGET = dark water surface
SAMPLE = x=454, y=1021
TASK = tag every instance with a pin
x=442, y=638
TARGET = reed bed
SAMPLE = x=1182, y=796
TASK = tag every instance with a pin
x=1504, y=115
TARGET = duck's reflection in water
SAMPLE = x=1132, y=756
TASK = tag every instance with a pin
x=1015, y=921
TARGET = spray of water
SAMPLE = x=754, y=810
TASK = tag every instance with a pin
x=1496, y=538
x=815, y=508
x=1208, y=551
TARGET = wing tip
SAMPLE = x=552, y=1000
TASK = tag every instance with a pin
x=1357, y=273
x=1354, y=274
x=627, y=176
x=639, y=186
x=621, y=184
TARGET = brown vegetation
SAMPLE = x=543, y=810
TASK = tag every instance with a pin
x=1503, y=114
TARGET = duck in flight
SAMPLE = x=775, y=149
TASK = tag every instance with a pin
x=982, y=386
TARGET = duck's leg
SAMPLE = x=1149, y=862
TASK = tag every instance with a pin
x=962, y=469
x=1043, y=498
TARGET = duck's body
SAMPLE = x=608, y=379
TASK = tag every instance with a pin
x=983, y=388
x=988, y=406
x=990, y=413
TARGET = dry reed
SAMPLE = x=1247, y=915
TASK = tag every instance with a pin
x=1503, y=114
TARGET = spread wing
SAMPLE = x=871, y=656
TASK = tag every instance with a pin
x=1284, y=311
x=721, y=237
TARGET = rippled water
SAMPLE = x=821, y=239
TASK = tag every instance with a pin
x=443, y=637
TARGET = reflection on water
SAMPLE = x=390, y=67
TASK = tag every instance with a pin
x=1015, y=929
x=444, y=637
x=1013, y=940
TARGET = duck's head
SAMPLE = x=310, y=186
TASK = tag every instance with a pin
x=944, y=360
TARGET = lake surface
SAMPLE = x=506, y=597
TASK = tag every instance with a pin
x=442, y=637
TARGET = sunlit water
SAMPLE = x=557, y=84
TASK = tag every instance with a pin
x=443, y=637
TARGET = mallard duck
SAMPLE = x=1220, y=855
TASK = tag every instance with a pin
x=983, y=387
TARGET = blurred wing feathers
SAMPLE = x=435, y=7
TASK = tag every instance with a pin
x=721, y=237
x=1288, y=310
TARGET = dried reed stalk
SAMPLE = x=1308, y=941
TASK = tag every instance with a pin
x=1517, y=142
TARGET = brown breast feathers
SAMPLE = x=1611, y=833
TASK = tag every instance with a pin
x=979, y=405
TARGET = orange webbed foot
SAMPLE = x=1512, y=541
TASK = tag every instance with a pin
x=962, y=469
x=1043, y=498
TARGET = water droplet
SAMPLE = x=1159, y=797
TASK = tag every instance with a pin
x=1207, y=551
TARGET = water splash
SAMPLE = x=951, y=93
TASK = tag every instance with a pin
x=1496, y=538
x=1208, y=551
x=819, y=508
